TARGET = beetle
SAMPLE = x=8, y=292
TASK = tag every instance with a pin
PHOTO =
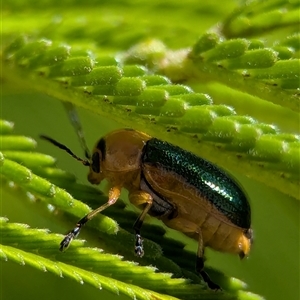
x=188, y=193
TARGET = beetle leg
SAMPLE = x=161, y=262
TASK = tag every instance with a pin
x=139, y=198
x=113, y=196
x=185, y=226
x=200, y=264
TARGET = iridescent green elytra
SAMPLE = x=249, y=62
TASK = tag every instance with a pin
x=213, y=183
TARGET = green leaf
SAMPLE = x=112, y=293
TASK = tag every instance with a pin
x=228, y=92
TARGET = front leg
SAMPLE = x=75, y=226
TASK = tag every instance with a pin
x=140, y=198
x=113, y=196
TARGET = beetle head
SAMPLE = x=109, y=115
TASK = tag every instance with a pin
x=117, y=156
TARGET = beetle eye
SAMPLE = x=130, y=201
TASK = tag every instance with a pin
x=96, y=162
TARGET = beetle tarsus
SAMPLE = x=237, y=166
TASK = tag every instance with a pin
x=204, y=275
x=209, y=282
x=138, y=248
x=65, y=243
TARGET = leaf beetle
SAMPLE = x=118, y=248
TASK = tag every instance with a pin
x=188, y=193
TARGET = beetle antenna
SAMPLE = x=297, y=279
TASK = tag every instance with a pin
x=85, y=162
x=75, y=121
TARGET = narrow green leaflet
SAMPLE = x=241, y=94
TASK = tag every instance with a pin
x=261, y=148
x=80, y=275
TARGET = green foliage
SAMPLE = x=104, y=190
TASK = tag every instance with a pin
x=229, y=93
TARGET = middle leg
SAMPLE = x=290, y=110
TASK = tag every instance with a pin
x=140, y=198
